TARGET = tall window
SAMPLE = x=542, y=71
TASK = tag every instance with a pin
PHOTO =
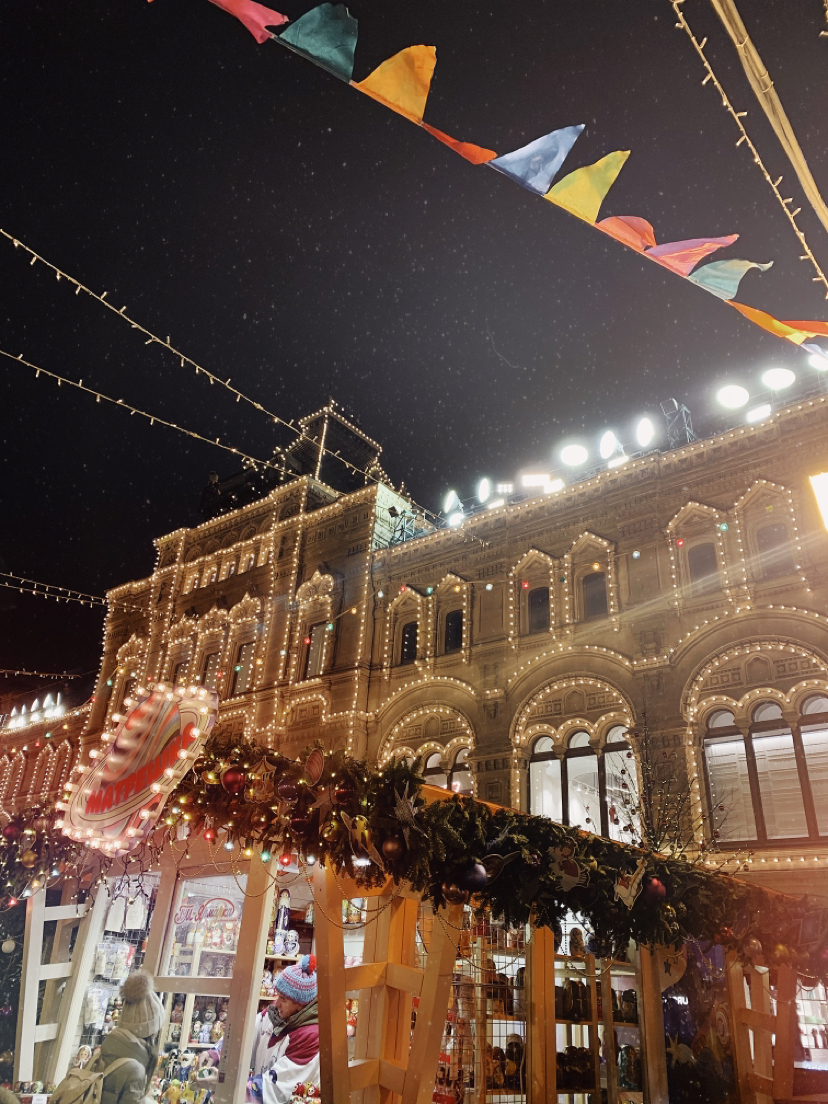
x=585, y=788
x=538, y=605
x=433, y=771
x=773, y=544
x=315, y=650
x=454, y=631
x=771, y=784
x=210, y=670
x=408, y=643
x=130, y=682
x=594, y=591
x=243, y=669
x=460, y=778
x=703, y=567
x=231, y=568
x=178, y=669
x=209, y=575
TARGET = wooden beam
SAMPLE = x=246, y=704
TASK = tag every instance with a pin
x=368, y=975
x=54, y=970
x=786, y=1026
x=392, y=1075
x=44, y=1032
x=408, y=979
x=363, y=1072
x=65, y=912
x=758, y=1021
x=200, y=986
x=29, y=984
x=330, y=953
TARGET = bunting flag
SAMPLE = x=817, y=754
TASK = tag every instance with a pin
x=535, y=166
x=476, y=154
x=683, y=256
x=789, y=331
x=256, y=17
x=583, y=191
x=722, y=278
x=326, y=35
x=402, y=82
x=630, y=230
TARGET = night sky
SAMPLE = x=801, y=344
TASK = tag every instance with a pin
x=287, y=231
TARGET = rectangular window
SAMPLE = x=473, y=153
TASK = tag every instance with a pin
x=243, y=669
x=179, y=667
x=730, y=789
x=454, y=631
x=408, y=643
x=621, y=797
x=203, y=930
x=545, y=789
x=538, y=610
x=210, y=670
x=815, y=742
x=584, y=793
x=779, y=786
x=314, y=656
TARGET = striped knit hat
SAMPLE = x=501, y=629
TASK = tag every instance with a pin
x=298, y=983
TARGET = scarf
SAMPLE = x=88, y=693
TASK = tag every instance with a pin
x=305, y=1016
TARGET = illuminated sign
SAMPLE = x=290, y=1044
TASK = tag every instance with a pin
x=118, y=800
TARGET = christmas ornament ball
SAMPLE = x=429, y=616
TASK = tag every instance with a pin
x=473, y=878
x=287, y=789
x=11, y=831
x=393, y=848
x=654, y=891
x=753, y=948
x=343, y=791
x=7, y=946
x=454, y=894
x=28, y=859
x=300, y=825
x=233, y=780
x=41, y=824
x=725, y=935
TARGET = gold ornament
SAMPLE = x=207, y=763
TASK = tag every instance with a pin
x=28, y=859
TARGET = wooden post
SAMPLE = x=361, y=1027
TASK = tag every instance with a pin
x=29, y=983
x=651, y=1016
x=542, y=1038
x=786, y=1027
x=330, y=953
x=246, y=984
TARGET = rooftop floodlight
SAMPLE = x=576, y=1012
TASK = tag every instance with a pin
x=484, y=490
x=608, y=445
x=644, y=432
x=535, y=479
x=758, y=414
x=456, y=519
x=618, y=461
x=732, y=396
x=450, y=501
x=573, y=455
x=777, y=379
x=819, y=361
x=553, y=487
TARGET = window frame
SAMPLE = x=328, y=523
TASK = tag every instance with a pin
x=582, y=588
x=784, y=569
x=531, y=628
x=760, y=728
x=306, y=655
x=705, y=584
x=601, y=828
x=234, y=677
x=205, y=661
x=453, y=614
x=401, y=653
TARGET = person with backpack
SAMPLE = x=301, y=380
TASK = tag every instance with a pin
x=122, y=1071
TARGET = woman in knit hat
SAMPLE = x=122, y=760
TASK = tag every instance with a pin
x=286, y=1051
x=134, y=1039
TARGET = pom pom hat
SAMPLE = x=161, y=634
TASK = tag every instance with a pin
x=298, y=983
x=143, y=1012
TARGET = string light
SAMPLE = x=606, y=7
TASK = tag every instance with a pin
x=744, y=137
x=60, y=593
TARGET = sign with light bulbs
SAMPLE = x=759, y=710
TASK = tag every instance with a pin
x=117, y=799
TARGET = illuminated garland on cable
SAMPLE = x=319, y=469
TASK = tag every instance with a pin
x=371, y=823
x=34, y=855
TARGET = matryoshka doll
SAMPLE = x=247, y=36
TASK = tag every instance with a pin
x=282, y=924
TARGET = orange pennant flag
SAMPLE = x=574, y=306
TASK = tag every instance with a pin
x=402, y=82
x=812, y=329
x=789, y=331
x=476, y=154
x=632, y=230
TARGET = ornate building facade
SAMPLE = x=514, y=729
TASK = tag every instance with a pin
x=687, y=590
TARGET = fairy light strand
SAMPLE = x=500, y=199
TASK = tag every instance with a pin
x=737, y=116
x=152, y=418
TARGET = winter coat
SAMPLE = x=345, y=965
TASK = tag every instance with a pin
x=285, y=1056
x=129, y=1083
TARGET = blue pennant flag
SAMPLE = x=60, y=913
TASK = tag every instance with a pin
x=535, y=166
x=722, y=278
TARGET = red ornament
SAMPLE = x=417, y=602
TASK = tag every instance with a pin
x=654, y=891
x=680, y=542
x=233, y=780
x=11, y=831
x=393, y=848
x=725, y=935
x=344, y=792
x=285, y=858
x=287, y=788
x=300, y=825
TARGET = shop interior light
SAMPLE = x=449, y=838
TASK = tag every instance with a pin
x=758, y=414
x=777, y=379
x=644, y=432
x=732, y=396
x=450, y=501
x=484, y=490
x=607, y=445
x=573, y=455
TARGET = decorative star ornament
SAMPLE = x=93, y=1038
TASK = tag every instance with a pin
x=405, y=813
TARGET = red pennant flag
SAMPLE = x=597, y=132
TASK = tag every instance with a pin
x=633, y=231
x=256, y=17
x=476, y=154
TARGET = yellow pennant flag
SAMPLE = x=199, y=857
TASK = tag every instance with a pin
x=583, y=191
x=402, y=82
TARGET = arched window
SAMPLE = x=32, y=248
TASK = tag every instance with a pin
x=209, y=670
x=243, y=669
x=460, y=778
x=703, y=567
x=770, y=784
x=773, y=544
x=538, y=606
x=433, y=771
x=315, y=650
x=594, y=591
x=453, y=639
x=179, y=669
x=586, y=788
x=408, y=642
